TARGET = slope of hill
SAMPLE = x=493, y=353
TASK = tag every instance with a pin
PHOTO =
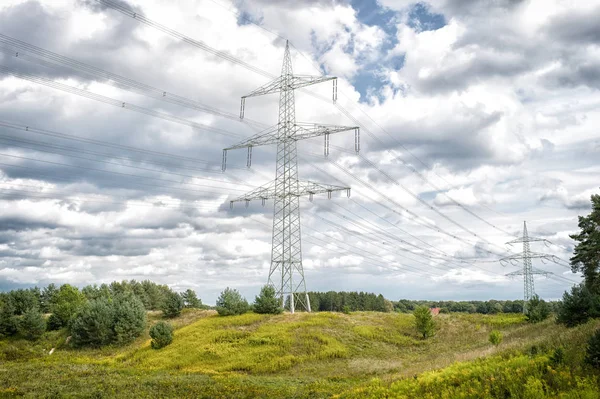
x=315, y=355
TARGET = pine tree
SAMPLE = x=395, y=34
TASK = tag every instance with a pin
x=424, y=321
x=267, y=302
x=32, y=325
x=586, y=258
x=190, y=299
x=172, y=304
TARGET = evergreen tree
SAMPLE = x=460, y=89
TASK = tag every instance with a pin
x=578, y=306
x=231, y=302
x=190, y=299
x=32, y=325
x=267, y=302
x=424, y=321
x=92, y=325
x=48, y=297
x=162, y=335
x=172, y=304
x=586, y=255
x=537, y=310
x=8, y=321
x=129, y=317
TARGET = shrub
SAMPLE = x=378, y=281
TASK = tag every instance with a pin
x=8, y=321
x=162, y=335
x=129, y=316
x=266, y=302
x=32, y=325
x=558, y=356
x=54, y=323
x=230, y=302
x=593, y=350
x=172, y=304
x=495, y=338
x=424, y=321
x=537, y=310
x=577, y=307
x=92, y=324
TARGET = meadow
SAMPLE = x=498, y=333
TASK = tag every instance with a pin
x=318, y=355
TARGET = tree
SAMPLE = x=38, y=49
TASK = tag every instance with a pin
x=68, y=301
x=32, y=325
x=8, y=321
x=593, y=350
x=23, y=300
x=129, y=316
x=230, y=302
x=190, y=299
x=537, y=310
x=48, y=297
x=92, y=325
x=495, y=338
x=267, y=302
x=578, y=306
x=424, y=321
x=172, y=304
x=162, y=335
x=586, y=255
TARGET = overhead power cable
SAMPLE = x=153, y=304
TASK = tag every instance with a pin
x=111, y=101
x=196, y=43
x=32, y=147
x=22, y=50
x=203, y=46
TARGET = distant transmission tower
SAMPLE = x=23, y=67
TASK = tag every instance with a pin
x=286, y=273
x=528, y=271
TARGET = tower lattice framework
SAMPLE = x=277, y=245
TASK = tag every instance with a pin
x=286, y=273
x=528, y=270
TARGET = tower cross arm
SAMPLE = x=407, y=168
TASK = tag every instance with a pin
x=301, y=188
x=299, y=131
x=533, y=271
x=526, y=239
x=284, y=83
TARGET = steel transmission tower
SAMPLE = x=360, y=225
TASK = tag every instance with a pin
x=286, y=274
x=528, y=270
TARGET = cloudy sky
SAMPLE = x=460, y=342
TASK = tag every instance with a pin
x=475, y=116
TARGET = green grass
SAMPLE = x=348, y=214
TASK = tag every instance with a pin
x=319, y=355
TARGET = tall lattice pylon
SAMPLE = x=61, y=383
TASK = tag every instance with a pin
x=528, y=270
x=286, y=273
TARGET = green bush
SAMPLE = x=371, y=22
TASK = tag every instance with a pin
x=172, y=304
x=92, y=324
x=537, y=310
x=129, y=316
x=593, y=350
x=230, y=302
x=32, y=325
x=578, y=307
x=8, y=321
x=162, y=335
x=495, y=338
x=424, y=321
x=54, y=323
x=266, y=302
x=558, y=356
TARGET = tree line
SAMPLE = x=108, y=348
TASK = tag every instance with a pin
x=94, y=315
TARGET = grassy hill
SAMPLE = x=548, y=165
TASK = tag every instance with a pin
x=358, y=355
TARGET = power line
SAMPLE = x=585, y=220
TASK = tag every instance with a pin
x=19, y=49
x=196, y=43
